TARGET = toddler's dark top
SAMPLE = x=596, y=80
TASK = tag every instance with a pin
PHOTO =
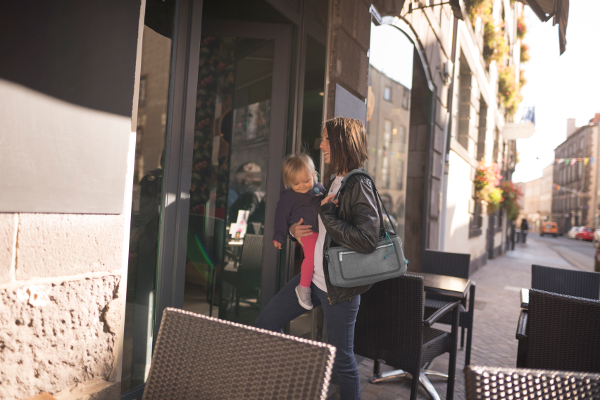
x=292, y=206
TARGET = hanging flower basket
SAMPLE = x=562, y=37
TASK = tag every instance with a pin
x=510, y=200
x=487, y=180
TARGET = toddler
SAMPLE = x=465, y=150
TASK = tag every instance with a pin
x=300, y=199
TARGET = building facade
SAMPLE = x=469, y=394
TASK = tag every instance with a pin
x=143, y=150
x=574, y=193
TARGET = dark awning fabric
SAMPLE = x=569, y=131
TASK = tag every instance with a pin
x=546, y=9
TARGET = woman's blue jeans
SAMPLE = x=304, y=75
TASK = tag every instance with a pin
x=340, y=319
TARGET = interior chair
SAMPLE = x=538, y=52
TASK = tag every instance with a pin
x=200, y=357
x=485, y=383
x=564, y=281
x=559, y=332
x=245, y=277
x=457, y=265
x=390, y=328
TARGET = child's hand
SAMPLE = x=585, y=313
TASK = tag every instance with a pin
x=329, y=199
x=277, y=244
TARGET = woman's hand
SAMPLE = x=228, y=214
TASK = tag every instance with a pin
x=277, y=244
x=299, y=231
x=329, y=199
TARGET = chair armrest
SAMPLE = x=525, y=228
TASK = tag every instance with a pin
x=522, y=326
x=525, y=298
x=433, y=318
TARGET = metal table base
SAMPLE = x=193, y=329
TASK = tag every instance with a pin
x=423, y=379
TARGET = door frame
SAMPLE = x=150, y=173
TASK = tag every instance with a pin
x=171, y=285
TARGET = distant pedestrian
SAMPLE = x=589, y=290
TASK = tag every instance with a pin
x=524, y=229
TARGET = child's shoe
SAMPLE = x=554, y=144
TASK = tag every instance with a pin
x=303, y=294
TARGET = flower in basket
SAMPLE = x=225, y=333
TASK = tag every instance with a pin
x=510, y=200
x=487, y=179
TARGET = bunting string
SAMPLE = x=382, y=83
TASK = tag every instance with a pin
x=571, y=161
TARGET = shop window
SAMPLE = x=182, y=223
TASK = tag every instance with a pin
x=146, y=200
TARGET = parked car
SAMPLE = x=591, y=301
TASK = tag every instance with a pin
x=549, y=228
x=585, y=233
x=573, y=232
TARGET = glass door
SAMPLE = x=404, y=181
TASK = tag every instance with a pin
x=239, y=143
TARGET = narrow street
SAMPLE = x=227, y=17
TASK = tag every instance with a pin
x=497, y=308
x=578, y=253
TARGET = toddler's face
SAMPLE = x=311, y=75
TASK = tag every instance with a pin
x=302, y=182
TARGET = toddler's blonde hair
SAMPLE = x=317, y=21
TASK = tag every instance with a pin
x=295, y=164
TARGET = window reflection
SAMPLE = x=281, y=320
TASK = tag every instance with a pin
x=146, y=205
x=227, y=194
x=388, y=116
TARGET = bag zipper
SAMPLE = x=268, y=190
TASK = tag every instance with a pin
x=352, y=252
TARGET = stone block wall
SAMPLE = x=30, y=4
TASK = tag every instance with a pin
x=60, y=304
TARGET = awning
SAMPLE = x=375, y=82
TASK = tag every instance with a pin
x=546, y=9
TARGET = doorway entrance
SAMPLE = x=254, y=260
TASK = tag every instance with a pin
x=239, y=141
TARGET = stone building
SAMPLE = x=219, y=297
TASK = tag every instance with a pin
x=574, y=193
x=138, y=137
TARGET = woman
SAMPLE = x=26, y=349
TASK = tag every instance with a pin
x=351, y=221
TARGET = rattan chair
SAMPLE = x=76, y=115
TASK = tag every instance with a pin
x=390, y=327
x=457, y=265
x=487, y=383
x=199, y=357
x=559, y=332
x=564, y=281
x=556, y=280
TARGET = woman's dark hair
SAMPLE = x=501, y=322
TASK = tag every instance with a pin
x=347, y=144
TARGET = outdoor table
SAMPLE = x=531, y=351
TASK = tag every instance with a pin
x=446, y=285
x=525, y=298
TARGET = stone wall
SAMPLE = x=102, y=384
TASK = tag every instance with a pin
x=60, y=303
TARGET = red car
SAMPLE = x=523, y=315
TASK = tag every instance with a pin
x=586, y=233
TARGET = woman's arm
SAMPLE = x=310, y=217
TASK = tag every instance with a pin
x=362, y=231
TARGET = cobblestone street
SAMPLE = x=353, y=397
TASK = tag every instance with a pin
x=496, y=315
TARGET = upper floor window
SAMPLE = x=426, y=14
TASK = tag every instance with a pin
x=581, y=143
x=387, y=133
x=387, y=93
x=406, y=99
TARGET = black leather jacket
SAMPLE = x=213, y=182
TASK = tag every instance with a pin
x=355, y=224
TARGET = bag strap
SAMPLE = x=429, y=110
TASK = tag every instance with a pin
x=360, y=171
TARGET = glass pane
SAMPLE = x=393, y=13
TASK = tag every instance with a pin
x=388, y=116
x=227, y=194
x=312, y=117
x=146, y=199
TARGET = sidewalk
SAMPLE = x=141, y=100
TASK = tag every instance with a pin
x=496, y=314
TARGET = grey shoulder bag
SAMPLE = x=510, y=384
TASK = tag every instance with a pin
x=348, y=268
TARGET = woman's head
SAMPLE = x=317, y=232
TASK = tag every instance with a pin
x=299, y=173
x=344, y=144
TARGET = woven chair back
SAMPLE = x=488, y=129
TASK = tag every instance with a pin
x=250, y=270
x=485, y=383
x=563, y=332
x=568, y=282
x=449, y=264
x=199, y=357
x=398, y=340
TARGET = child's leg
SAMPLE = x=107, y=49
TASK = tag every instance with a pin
x=308, y=264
